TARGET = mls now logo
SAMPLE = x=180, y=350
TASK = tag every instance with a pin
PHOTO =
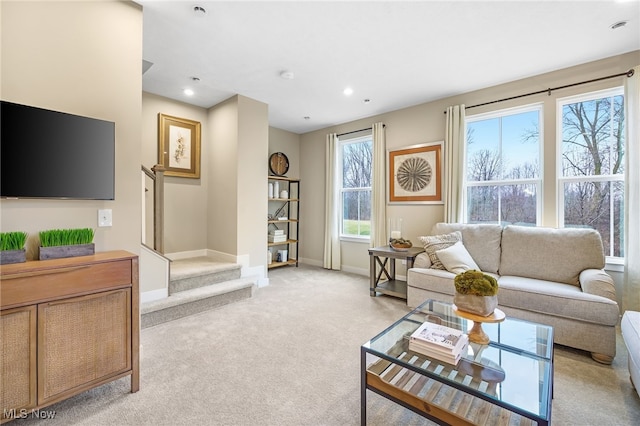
x=23, y=413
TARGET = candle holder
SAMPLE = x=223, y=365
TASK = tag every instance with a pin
x=395, y=229
x=396, y=241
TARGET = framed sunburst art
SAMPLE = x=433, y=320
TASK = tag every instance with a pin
x=415, y=174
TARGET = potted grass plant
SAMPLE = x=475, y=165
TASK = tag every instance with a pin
x=12, y=247
x=59, y=243
x=476, y=292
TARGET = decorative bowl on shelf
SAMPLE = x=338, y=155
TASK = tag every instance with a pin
x=400, y=244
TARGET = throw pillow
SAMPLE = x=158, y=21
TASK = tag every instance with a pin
x=433, y=243
x=456, y=258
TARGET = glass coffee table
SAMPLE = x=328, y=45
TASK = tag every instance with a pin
x=507, y=381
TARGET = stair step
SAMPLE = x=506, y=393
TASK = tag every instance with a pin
x=188, y=274
x=189, y=302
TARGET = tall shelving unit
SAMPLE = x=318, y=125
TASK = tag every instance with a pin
x=285, y=207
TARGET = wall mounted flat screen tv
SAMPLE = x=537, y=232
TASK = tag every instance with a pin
x=51, y=154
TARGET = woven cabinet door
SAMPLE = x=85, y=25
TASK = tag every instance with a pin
x=18, y=360
x=82, y=341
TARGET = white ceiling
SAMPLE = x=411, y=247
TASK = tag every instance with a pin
x=395, y=53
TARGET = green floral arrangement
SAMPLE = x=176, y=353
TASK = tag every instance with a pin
x=475, y=283
x=12, y=240
x=66, y=237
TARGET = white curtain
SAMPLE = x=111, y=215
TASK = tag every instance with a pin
x=378, y=188
x=331, y=203
x=631, y=289
x=454, y=141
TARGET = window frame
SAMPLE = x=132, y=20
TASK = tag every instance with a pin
x=342, y=190
x=561, y=180
x=538, y=182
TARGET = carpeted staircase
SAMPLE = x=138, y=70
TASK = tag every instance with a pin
x=197, y=285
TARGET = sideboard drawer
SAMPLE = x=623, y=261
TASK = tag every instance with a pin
x=37, y=286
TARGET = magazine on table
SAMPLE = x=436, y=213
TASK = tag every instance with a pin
x=441, y=337
x=448, y=357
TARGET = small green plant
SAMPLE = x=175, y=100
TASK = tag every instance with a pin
x=65, y=237
x=476, y=283
x=12, y=240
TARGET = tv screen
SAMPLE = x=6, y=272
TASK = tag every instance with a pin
x=50, y=154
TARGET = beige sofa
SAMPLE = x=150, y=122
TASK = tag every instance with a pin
x=549, y=276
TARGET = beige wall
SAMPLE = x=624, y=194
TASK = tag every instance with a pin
x=223, y=179
x=185, y=198
x=253, y=145
x=426, y=123
x=83, y=58
x=237, y=203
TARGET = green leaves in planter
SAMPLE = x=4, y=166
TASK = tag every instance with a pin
x=12, y=240
x=476, y=283
x=66, y=237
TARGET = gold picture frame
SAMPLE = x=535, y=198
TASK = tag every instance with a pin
x=179, y=146
x=415, y=174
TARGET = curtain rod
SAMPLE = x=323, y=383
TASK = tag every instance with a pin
x=551, y=89
x=356, y=131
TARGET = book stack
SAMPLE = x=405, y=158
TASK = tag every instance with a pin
x=277, y=236
x=440, y=342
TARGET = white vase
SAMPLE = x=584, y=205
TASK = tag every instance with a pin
x=270, y=190
x=276, y=189
x=479, y=305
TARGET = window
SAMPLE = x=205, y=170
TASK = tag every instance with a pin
x=503, y=176
x=356, y=158
x=591, y=165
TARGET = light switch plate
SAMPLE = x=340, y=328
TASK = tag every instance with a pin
x=104, y=217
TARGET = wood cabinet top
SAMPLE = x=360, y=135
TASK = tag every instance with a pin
x=35, y=265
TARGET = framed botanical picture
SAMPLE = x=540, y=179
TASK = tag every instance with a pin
x=415, y=174
x=179, y=146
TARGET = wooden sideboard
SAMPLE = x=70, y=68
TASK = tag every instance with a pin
x=67, y=326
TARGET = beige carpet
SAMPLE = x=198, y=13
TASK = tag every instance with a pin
x=290, y=356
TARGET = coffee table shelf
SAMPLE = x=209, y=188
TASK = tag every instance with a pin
x=507, y=381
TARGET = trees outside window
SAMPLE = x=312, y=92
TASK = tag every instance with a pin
x=591, y=165
x=356, y=159
x=502, y=182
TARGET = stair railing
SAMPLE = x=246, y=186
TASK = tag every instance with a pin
x=156, y=174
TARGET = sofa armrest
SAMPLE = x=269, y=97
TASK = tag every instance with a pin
x=422, y=261
x=598, y=282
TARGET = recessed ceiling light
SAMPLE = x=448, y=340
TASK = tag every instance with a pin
x=348, y=91
x=188, y=92
x=199, y=11
x=306, y=117
x=196, y=79
x=618, y=24
x=287, y=75
x=366, y=101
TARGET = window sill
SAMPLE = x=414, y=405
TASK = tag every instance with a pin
x=348, y=239
x=614, y=264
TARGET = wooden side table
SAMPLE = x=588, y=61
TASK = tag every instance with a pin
x=385, y=258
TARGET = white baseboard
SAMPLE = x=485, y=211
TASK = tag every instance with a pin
x=150, y=296
x=311, y=262
x=358, y=271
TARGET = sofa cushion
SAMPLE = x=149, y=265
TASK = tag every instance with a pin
x=560, y=300
x=481, y=240
x=456, y=258
x=550, y=254
x=440, y=281
x=436, y=280
x=433, y=243
x=422, y=261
